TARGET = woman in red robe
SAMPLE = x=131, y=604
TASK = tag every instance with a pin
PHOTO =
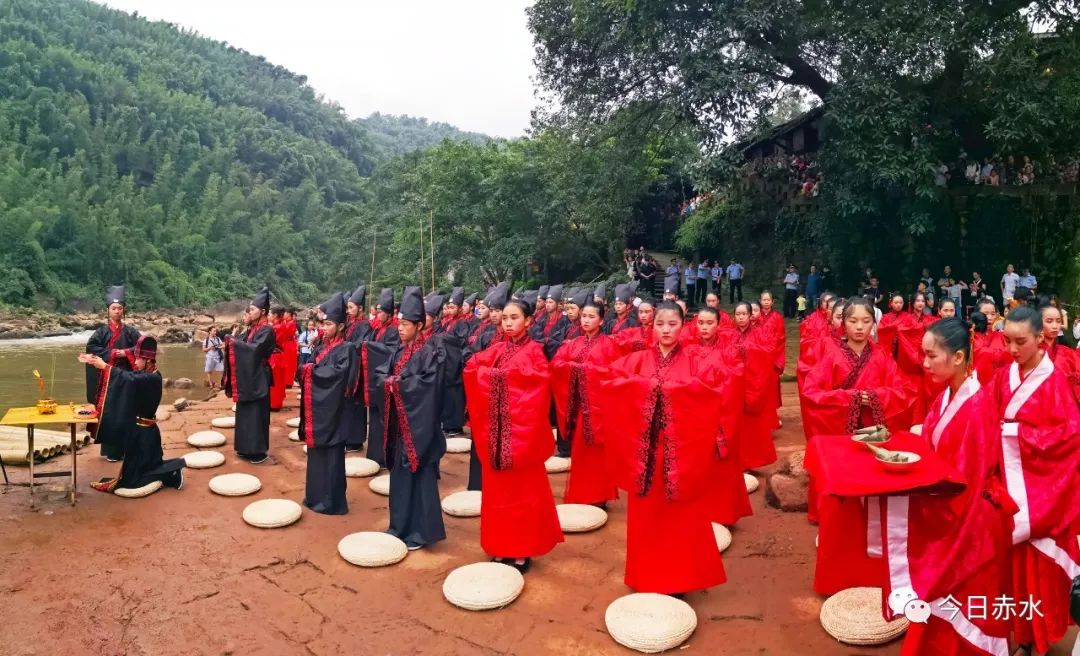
x=573, y=372
x=1040, y=458
x=508, y=394
x=772, y=323
x=640, y=337
x=1066, y=360
x=888, y=328
x=717, y=347
x=290, y=349
x=815, y=326
x=854, y=384
x=988, y=350
x=665, y=453
x=941, y=547
x=808, y=356
x=755, y=348
x=278, y=360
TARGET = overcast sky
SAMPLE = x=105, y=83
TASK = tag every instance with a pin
x=463, y=62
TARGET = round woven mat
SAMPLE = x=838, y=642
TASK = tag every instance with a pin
x=483, y=586
x=235, y=484
x=853, y=616
x=272, y=513
x=138, y=492
x=372, y=549
x=223, y=422
x=916, y=429
x=294, y=435
x=380, y=485
x=580, y=517
x=752, y=483
x=465, y=503
x=650, y=622
x=722, y=535
x=293, y=422
x=557, y=465
x=204, y=459
x=358, y=467
x=458, y=445
x=206, y=438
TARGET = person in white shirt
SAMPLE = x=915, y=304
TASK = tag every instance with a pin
x=791, y=292
x=689, y=281
x=717, y=274
x=702, y=281
x=735, y=273
x=1009, y=282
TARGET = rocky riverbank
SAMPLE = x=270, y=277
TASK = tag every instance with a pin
x=170, y=326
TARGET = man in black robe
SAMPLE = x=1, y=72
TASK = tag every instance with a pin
x=112, y=343
x=248, y=378
x=624, y=316
x=456, y=331
x=383, y=331
x=132, y=396
x=357, y=331
x=327, y=386
x=406, y=391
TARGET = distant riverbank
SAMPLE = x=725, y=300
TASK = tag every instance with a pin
x=171, y=326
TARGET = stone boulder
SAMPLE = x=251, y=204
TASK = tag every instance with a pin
x=204, y=320
x=175, y=336
x=183, y=383
x=180, y=404
x=786, y=492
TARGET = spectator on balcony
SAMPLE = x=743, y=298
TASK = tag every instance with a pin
x=971, y=171
x=987, y=169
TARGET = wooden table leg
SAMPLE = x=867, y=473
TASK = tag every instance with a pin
x=30, y=441
x=74, y=453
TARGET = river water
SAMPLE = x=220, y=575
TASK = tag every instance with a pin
x=55, y=359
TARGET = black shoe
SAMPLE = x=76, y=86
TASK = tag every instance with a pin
x=521, y=567
x=353, y=449
x=258, y=460
x=678, y=595
x=454, y=433
x=180, y=475
x=111, y=459
x=412, y=546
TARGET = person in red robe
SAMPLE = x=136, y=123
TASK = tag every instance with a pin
x=774, y=331
x=665, y=453
x=815, y=326
x=507, y=387
x=948, y=549
x=812, y=343
x=574, y=370
x=290, y=349
x=1040, y=458
x=988, y=350
x=1066, y=360
x=854, y=384
x=640, y=337
x=720, y=348
x=277, y=359
x=755, y=347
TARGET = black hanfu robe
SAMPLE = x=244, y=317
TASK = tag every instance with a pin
x=328, y=385
x=111, y=344
x=614, y=324
x=132, y=398
x=405, y=398
x=454, y=336
x=354, y=413
x=248, y=378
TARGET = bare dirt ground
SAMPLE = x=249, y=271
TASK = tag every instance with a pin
x=181, y=573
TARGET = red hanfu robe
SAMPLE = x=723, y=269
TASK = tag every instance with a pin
x=291, y=351
x=812, y=329
x=279, y=362
x=989, y=354
x=948, y=549
x=1067, y=361
x=574, y=371
x=508, y=394
x=760, y=379
x=730, y=501
x=831, y=392
x=772, y=325
x=665, y=453
x=637, y=338
x=1040, y=455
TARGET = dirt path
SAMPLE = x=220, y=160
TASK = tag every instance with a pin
x=180, y=573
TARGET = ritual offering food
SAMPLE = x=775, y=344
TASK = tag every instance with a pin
x=874, y=434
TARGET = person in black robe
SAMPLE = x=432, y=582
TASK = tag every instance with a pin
x=328, y=385
x=357, y=331
x=406, y=392
x=624, y=316
x=112, y=343
x=468, y=311
x=382, y=339
x=133, y=398
x=456, y=331
x=248, y=378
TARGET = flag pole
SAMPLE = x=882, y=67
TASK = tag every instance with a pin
x=371, y=276
x=431, y=243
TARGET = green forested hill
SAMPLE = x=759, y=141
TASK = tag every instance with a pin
x=399, y=135
x=131, y=150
